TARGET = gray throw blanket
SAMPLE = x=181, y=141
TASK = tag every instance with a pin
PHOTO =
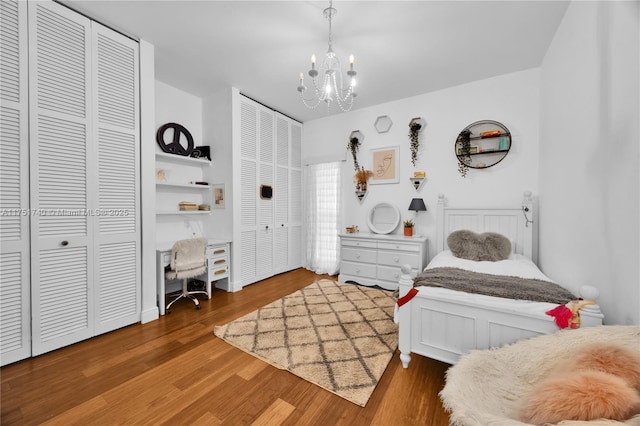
x=494, y=285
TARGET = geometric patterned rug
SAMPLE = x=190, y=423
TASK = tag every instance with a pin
x=338, y=336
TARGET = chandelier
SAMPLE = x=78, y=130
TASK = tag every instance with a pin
x=327, y=78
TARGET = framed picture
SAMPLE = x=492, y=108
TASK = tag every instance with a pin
x=218, y=196
x=385, y=165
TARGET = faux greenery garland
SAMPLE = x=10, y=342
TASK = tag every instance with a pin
x=353, y=146
x=464, y=158
x=414, y=139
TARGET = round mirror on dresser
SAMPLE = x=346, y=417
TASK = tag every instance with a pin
x=383, y=218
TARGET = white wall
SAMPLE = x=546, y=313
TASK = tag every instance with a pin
x=511, y=99
x=176, y=106
x=589, y=155
x=150, y=310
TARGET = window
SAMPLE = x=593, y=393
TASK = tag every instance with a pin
x=323, y=217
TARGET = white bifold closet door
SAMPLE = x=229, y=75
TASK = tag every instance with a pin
x=85, y=273
x=255, y=260
x=15, y=302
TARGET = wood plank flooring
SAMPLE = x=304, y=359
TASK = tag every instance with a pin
x=176, y=371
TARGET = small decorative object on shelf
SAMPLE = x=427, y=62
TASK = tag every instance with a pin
x=201, y=152
x=188, y=206
x=490, y=133
x=161, y=175
x=355, y=140
x=352, y=229
x=204, y=207
x=361, y=177
x=408, y=227
x=415, y=127
x=177, y=144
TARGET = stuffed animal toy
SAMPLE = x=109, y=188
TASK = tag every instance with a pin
x=598, y=381
x=568, y=315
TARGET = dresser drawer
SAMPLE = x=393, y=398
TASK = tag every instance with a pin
x=346, y=242
x=398, y=258
x=217, y=262
x=218, y=251
x=358, y=269
x=389, y=273
x=358, y=255
x=398, y=246
x=219, y=272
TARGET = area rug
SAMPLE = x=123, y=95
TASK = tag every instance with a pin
x=339, y=336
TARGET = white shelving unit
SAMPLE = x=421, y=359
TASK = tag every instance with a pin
x=190, y=170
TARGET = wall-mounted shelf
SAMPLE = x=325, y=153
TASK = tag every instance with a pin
x=183, y=212
x=486, y=149
x=184, y=170
x=181, y=159
x=361, y=195
x=181, y=185
x=417, y=182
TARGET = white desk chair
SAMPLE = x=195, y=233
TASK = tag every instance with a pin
x=188, y=260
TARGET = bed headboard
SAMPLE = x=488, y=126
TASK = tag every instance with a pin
x=515, y=224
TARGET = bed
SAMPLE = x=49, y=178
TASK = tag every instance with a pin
x=444, y=324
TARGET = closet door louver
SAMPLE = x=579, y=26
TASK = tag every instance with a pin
x=245, y=259
x=15, y=302
x=265, y=205
x=116, y=136
x=60, y=125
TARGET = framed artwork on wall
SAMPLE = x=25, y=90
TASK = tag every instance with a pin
x=385, y=165
x=218, y=196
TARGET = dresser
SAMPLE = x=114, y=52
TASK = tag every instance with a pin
x=375, y=259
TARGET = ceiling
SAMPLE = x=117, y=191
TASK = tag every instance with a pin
x=401, y=48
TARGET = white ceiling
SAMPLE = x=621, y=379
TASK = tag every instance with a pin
x=402, y=48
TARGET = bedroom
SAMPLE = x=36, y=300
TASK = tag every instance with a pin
x=588, y=198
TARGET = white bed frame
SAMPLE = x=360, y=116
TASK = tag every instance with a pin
x=444, y=329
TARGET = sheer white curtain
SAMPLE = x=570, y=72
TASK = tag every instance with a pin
x=323, y=217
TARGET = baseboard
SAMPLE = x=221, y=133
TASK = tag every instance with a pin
x=149, y=315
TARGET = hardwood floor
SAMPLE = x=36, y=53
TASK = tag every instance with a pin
x=176, y=371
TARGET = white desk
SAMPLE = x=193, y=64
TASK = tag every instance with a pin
x=218, y=266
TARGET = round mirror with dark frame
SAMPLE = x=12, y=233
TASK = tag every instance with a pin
x=482, y=144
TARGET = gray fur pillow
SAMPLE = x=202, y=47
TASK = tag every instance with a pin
x=490, y=246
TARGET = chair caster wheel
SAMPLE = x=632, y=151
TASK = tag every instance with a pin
x=198, y=307
x=167, y=312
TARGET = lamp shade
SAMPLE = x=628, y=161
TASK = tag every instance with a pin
x=418, y=205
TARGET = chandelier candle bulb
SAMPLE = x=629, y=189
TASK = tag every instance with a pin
x=313, y=61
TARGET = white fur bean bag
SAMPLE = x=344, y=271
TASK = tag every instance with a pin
x=486, y=387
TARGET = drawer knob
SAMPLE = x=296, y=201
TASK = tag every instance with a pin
x=357, y=271
x=396, y=276
x=218, y=251
x=358, y=256
x=219, y=261
x=396, y=259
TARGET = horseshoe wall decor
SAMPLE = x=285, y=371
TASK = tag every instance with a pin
x=175, y=147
